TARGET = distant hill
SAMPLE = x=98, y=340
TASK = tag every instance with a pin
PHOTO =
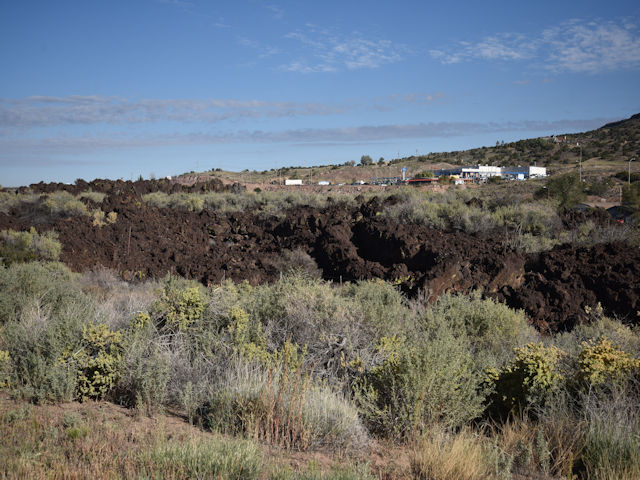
x=614, y=142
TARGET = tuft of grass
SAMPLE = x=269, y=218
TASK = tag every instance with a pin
x=205, y=459
x=441, y=455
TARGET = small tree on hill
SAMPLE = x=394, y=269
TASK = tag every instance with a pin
x=366, y=160
x=425, y=174
x=567, y=189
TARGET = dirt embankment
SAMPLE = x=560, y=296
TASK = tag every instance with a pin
x=351, y=244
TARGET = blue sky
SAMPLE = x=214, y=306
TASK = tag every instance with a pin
x=113, y=89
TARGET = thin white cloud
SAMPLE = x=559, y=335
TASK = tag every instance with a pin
x=177, y=3
x=302, y=136
x=46, y=111
x=577, y=46
x=502, y=46
x=322, y=50
x=42, y=111
x=276, y=12
x=592, y=47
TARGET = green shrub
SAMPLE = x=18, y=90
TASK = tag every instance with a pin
x=145, y=372
x=98, y=361
x=280, y=406
x=566, y=189
x=53, y=285
x=19, y=247
x=180, y=305
x=383, y=307
x=611, y=442
x=493, y=330
x=35, y=343
x=311, y=313
x=419, y=384
x=96, y=197
x=42, y=310
x=600, y=363
x=528, y=380
x=63, y=203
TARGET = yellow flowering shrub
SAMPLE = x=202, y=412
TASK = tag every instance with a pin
x=98, y=361
x=528, y=378
x=183, y=307
x=601, y=362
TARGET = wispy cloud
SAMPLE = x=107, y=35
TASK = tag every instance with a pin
x=47, y=111
x=276, y=12
x=322, y=50
x=502, y=46
x=177, y=3
x=592, y=47
x=303, y=136
x=576, y=46
x=41, y=111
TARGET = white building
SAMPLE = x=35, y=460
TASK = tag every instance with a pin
x=522, y=173
x=481, y=172
x=293, y=181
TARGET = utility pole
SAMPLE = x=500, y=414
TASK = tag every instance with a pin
x=580, y=146
x=629, y=180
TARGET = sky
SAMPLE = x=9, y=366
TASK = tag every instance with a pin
x=117, y=89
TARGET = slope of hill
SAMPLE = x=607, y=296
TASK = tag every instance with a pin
x=614, y=143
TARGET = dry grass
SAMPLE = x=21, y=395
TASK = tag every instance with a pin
x=440, y=455
x=101, y=440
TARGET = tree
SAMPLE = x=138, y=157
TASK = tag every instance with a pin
x=349, y=163
x=381, y=161
x=567, y=189
x=425, y=174
x=366, y=160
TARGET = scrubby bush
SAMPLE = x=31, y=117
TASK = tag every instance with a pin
x=382, y=306
x=62, y=203
x=145, y=369
x=281, y=406
x=19, y=247
x=611, y=441
x=600, y=362
x=566, y=189
x=314, y=314
x=419, y=385
x=43, y=311
x=492, y=329
x=206, y=459
x=50, y=286
x=528, y=380
x=298, y=262
x=96, y=197
x=5, y=368
x=179, y=306
x=98, y=361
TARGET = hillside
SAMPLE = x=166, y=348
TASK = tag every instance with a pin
x=610, y=146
